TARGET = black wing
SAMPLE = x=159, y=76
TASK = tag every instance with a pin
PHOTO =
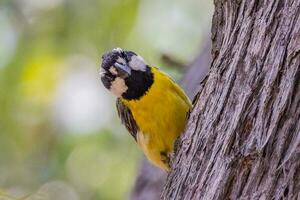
x=127, y=118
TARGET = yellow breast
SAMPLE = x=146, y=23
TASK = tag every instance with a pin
x=160, y=115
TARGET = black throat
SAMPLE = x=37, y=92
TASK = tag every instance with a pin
x=138, y=83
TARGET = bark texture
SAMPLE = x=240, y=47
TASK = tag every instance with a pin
x=242, y=139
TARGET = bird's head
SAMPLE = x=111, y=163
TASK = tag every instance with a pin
x=125, y=74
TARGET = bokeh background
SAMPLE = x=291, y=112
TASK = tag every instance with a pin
x=60, y=137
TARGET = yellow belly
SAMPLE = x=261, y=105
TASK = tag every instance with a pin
x=160, y=116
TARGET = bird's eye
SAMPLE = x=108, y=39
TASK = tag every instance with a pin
x=123, y=54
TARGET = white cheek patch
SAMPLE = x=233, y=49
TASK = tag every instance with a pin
x=118, y=87
x=113, y=70
x=137, y=63
x=121, y=60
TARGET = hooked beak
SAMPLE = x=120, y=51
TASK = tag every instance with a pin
x=123, y=69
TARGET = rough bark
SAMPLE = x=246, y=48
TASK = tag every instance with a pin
x=150, y=180
x=242, y=139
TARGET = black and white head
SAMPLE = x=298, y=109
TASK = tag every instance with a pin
x=125, y=74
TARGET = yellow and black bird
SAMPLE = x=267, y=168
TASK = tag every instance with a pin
x=150, y=104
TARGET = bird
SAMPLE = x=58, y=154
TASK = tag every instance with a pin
x=151, y=105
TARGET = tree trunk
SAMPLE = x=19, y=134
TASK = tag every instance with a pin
x=242, y=139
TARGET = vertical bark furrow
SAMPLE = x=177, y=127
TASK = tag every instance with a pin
x=243, y=136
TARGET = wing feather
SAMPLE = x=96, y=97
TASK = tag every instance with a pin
x=127, y=118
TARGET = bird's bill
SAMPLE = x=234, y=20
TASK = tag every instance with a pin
x=123, y=68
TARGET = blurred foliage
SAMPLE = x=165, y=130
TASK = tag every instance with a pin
x=59, y=135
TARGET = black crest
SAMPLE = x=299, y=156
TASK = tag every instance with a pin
x=109, y=58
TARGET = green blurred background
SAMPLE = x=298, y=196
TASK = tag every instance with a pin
x=60, y=137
